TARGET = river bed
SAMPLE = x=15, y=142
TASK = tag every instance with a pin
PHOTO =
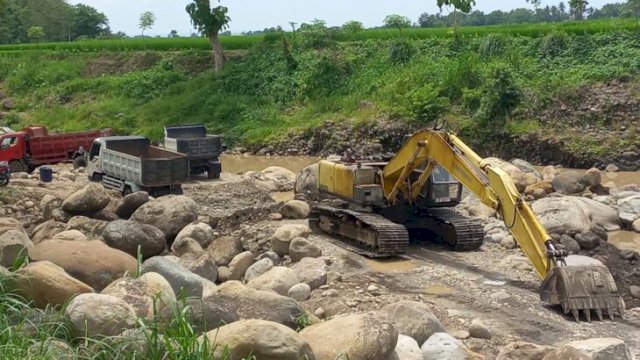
x=243, y=163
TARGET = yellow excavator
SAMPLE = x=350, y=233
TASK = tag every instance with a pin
x=411, y=198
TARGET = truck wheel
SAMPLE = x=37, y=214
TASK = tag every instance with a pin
x=4, y=180
x=79, y=162
x=16, y=166
x=212, y=174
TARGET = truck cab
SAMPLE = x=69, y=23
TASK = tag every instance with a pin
x=14, y=150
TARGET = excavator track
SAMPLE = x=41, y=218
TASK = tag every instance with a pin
x=368, y=234
x=459, y=232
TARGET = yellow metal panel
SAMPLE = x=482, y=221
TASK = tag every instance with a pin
x=343, y=180
x=325, y=176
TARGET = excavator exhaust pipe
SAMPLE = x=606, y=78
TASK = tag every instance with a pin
x=582, y=285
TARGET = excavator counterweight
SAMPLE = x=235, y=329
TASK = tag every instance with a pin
x=410, y=198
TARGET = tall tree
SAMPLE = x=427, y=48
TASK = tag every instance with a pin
x=463, y=6
x=397, y=21
x=35, y=33
x=209, y=22
x=578, y=8
x=147, y=19
x=633, y=9
x=12, y=29
x=87, y=21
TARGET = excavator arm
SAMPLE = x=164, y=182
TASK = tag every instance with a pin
x=584, y=286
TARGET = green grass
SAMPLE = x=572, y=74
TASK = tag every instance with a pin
x=241, y=42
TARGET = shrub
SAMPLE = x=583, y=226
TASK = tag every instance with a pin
x=149, y=84
x=554, y=43
x=401, y=51
x=426, y=105
x=492, y=45
x=500, y=95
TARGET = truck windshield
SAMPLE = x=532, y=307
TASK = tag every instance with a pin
x=8, y=142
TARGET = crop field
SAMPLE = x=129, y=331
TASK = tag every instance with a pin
x=241, y=42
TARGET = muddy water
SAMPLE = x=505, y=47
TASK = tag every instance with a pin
x=619, y=178
x=241, y=163
x=386, y=266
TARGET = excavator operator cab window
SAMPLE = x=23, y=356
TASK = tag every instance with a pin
x=444, y=187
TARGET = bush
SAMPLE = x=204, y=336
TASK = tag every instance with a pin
x=492, y=45
x=463, y=74
x=554, y=44
x=500, y=96
x=426, y=105
x=401, y=52
x=149, y=84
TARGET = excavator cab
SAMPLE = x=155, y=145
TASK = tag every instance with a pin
x=442, y=190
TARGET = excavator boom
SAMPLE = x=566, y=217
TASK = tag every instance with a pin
x=574, y=282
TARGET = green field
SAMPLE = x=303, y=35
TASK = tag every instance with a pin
x=245, y=42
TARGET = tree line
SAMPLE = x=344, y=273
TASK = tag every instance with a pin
x=50, y=20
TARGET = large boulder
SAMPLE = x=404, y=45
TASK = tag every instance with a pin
x=70, y=235
x=629, y=209
x=444, y=346
x=566, y=352
x=295, y=209
x=90, y=199
x=414, y=319
x=281, y=239
x=539, y=189
x=48, y=204
x=569, y=182
x=7, y=224
x=312, y=271
x=258, y=268
x=561, y=215
x=301, y=248
x=182, y=281
x=92, y=262
x=131, y=237
x=147, y=294
x=232, y=301
x=130, y=203
x=474, y=207
x=519, y=350
x=525, y=166
x=13, y=245
x=283, y=179
x=224, y=249
x=307, y=180
x=92, y=228
x=201, y=264
x=353, y=337
x=239, y=265
x=169, y=213
x=95, y=315
x=186, y=246
x=601, y=215
x=264, y=340
x=200, y=232
x=47, y=230
x=46, y=284
x=592, y=177
x=279, y=279
x=603, y=348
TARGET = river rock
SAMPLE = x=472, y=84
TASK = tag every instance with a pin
x=258, y=268
x=612, y=168
x=588, y=240
x=301, y=248
x=601, y=215
x=312, y=271
x=130, y=203
x=202, y=264
x=472, y=205
x=307, y=180
x=13, y=245
x=444, y=346
x=94, y=315
x=264, y=340
x=281, y=239
x=525, y=166
x=200, y=232
x=603, y=348
x=169, y=213
x=636, y=226
x=48, y=204
x=47, y=230
x=131, y=236
x=519, y=350
x=239, y=265
x=629, y=209
x=295, y=209
x=182, y=280
x=90, y=199
x=275, y=258
x=284, y=179
x=224, y=249
x=7, y=224
x=299, y=292
x=569, y=182
x=570, y=244
x=279, y=279
x=92, y=262
x=592, y=177
x=353, y=337
x=224, y=273
x=46, y=284
x=479, y=330
x=146, y=293
x=186, y=246
x=92, y=228
x=635, y=291
x=233, y=301
x=539, y=189
x=414, y=319
x=561, y=215
x=406, y=349
x=566, y=352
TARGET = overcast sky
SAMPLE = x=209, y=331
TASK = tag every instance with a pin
x=256, y=15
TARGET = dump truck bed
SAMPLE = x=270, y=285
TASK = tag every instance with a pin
x=207, y=146
x=137, y=161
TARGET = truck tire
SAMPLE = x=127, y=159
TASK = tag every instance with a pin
x=17, y=166
x=79, y=162
x=213, y=174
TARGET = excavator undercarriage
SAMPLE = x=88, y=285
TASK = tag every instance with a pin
x=410, y=199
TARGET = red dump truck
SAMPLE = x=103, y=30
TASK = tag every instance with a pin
x=33, y=146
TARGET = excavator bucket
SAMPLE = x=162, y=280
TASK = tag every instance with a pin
x=583, y=284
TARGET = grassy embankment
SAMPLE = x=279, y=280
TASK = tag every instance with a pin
x=410, y=75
